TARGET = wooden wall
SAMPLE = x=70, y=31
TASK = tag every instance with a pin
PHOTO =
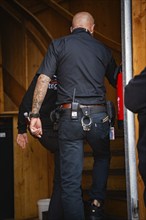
x=139, y=62
x=33, y=176
x=22, y=50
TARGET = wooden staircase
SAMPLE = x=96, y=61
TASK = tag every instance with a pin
x=116, y=203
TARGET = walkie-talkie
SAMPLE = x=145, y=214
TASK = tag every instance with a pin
x=74, y=107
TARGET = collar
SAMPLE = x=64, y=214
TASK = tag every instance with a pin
x=80, y=30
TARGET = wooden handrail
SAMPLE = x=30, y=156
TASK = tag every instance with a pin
x=37, y=41
x=36, y=22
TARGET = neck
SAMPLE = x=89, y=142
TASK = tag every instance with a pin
x=85, y=29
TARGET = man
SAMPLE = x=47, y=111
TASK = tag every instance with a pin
x=80, y=63
x=49, y=138
x=135, y=101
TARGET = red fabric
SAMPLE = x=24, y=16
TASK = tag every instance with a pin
x=120, y=100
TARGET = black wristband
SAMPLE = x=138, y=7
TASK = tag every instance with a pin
x=34, y=115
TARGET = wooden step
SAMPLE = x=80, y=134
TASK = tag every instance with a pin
x=117, y=144
x=111, y=217
x=116, y=204
x=116, y=180
x=117, y=160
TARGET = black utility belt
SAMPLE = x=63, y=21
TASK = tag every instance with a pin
x=93, y=109
x=87, y=110
x=75, y=107
x=70, y=105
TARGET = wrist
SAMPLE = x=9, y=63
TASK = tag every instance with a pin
x=34, y=115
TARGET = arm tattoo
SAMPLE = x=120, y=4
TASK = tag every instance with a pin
x=40, y=92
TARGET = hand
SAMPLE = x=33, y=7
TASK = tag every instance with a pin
x=36, y=127
x=22, y=140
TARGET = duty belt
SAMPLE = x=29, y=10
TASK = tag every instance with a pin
x=68, y=105
x=97, y=108
x=87, y=110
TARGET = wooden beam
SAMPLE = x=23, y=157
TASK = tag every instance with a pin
x=12, y=88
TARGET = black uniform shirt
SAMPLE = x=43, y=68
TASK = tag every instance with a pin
x=135, y=93
x=80, y=63
x=135, y=101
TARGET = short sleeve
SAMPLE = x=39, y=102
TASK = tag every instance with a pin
x=49, y=63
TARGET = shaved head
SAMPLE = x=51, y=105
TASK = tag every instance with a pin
x=83, y=20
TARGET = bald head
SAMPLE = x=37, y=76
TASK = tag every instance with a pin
x=83, y=20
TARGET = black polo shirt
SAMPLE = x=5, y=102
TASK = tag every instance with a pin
x=80, y=63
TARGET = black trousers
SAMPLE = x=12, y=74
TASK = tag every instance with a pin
x=49, y=140
x=71, y=141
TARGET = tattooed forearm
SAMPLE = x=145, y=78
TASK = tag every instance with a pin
x=40, y=92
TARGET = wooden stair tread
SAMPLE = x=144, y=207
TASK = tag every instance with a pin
x=114, y=172
x=116, y=194
x=113, y=194
x=114, y=152
x=111, y=217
